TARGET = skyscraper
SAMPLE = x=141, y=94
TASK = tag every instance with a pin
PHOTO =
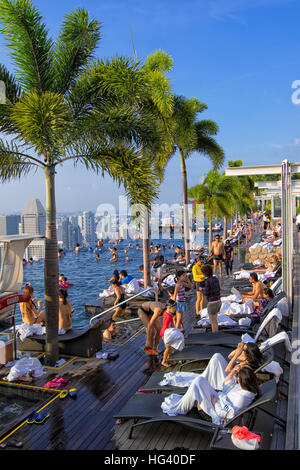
x=68, y=233
x=34, y=218
x=87, y=225
x=9, y=224
x=33, y=222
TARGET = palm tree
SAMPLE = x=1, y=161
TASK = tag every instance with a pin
x=63, y=105
x=215, y=193
x=244, y=190
x=158, y=102
x=190, y=136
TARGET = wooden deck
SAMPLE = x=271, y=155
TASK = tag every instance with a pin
x=86, y=423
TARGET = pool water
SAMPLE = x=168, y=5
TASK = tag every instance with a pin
x=90, y=277
x=17, y=403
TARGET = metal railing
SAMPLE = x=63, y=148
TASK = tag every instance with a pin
x=118, y=305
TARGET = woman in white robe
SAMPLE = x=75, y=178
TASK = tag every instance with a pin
x=218, y=368
x=236, y=395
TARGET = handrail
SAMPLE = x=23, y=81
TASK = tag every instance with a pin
x=121, y=303
x=126, y=321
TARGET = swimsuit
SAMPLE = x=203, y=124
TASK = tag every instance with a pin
x=122, y=298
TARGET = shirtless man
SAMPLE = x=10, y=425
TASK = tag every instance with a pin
x=257, y=291
x=217, y=249
x=149, y=313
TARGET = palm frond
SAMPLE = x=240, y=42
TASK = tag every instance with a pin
x=12, y=88
x=75, y=48
x=43, y=121
x=158, y=60
x=27, y=39
x=209, y=147
x=14, y=164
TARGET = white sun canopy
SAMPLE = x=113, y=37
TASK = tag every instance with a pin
x=11, y=274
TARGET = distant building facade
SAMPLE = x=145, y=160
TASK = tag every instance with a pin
x=9, y=224
x=87, y=225
x=33, y=222
x=69, y=233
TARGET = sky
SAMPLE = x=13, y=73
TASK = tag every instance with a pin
x=240, y=57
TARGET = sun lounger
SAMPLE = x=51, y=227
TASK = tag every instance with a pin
x=152, y=385
x=148, y=408
x=241, y=329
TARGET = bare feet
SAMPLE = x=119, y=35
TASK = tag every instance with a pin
x=120, y=421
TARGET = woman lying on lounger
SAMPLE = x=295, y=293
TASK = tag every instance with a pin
x=218, y=368
x=239, y=389
x=266, y=265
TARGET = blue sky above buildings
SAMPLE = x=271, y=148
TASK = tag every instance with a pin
x=238, y=56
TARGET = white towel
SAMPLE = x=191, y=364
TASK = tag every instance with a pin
x=273, y=368
x=173, y=337
x=281, y=337
x=23, y=367
x=25, y=330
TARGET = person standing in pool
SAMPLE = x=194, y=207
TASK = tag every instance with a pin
x=218, y=251
x=114, y=253
x=120, y=297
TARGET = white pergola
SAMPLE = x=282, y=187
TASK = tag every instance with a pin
x=286, y=169
x=272, y=192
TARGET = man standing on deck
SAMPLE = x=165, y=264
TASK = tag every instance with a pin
x=217, y=249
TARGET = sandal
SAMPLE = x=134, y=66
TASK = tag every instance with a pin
x=73, y=392
x=150, y=351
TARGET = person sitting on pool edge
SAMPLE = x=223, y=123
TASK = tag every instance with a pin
x=29, y=313
x=65, y=311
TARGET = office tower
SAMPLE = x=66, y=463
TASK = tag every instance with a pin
x=88, y=228
x=34, y=218
x=9, y=224
x=33, y=222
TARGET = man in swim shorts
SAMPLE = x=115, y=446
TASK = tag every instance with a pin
x=217, y=249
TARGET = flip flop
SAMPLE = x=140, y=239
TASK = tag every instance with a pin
x=150, y=352
x=73, y=392
x=42, y=416
x=52, y=384
x=11, y=443
x=63, y=394
x=31, y=418
x=60, y=380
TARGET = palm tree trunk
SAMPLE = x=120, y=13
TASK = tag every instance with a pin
x=225, y=229
x=51, y=270
x=209, y=234
x=146, y=248
x=186, y=226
